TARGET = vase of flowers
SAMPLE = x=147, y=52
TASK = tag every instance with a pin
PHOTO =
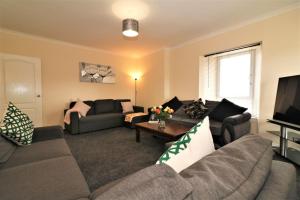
x=162, y=114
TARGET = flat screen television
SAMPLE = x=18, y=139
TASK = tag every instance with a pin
x=287, y=105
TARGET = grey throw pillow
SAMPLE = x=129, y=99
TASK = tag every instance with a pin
x=196, y=110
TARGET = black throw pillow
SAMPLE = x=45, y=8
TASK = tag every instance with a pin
x=196, y=109
x=174, y=103
x=226, y=109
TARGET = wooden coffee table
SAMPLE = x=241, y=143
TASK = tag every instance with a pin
x=172, y=131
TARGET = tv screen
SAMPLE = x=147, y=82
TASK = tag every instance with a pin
x=287, y=105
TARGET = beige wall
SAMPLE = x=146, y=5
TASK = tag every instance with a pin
x=151, y=84
x=179, y=66
x=60, y=72
x=165, y=73
x=280, y=57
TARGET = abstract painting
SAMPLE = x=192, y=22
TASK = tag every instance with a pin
x=96, y=73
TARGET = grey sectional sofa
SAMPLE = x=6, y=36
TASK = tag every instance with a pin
x=230, y=129
x=241, y=170
x=43, y=170
x=104, y=113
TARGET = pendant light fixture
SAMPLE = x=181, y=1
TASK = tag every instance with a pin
x=130, y=27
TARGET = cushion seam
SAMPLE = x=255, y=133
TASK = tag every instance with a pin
x=34, y=162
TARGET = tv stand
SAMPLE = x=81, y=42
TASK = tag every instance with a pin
x=283, y=149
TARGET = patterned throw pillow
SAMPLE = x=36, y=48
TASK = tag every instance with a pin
x=190, y=148
x=16, y=126
x=196, y=110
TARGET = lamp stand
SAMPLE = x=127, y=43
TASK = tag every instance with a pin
x=135, y=91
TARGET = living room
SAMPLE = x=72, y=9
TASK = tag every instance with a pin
x=178, y=53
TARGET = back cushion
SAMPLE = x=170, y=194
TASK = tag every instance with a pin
x=225, y=109
x=118, y=106
x=211, y=105
x=6, y=149
x=104, y=106
x=236, y=171
x=89, y=103
x=154, y=182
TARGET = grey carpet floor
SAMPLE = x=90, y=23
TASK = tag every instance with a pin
x=108, y=155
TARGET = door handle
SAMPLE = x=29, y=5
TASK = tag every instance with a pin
x=38, y=95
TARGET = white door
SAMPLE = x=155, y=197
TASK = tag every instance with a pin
x=20, y=79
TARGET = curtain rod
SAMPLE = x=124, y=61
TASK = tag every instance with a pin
x=233, y=49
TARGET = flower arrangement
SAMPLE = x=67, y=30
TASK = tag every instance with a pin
x=160, y=113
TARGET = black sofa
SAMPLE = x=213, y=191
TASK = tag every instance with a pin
x=104, y=113
x=223, y=132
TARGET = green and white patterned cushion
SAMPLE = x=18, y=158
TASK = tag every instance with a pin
x=16, y=126
x=190, y=148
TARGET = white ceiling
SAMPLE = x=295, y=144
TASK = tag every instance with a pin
x=163, y=23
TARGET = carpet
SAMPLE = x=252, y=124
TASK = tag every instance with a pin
x=108, y=155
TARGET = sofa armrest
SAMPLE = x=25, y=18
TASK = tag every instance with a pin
x=47, y=133
x=237, y=119
x=138, y=109
x=234, y=127
x=73, y=127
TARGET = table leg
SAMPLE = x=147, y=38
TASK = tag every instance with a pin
x=283, y=141
x=137, y=134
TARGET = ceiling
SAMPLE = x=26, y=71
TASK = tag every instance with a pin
x=163, y=23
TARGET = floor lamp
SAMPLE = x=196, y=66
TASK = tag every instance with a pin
x=135, y=90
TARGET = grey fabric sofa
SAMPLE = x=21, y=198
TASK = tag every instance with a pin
x=47, y=170
x=243, y=169
x=224, y=132
x=104, y=113
x=44, y=170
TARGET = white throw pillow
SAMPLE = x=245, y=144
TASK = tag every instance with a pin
x=127, y=107
x=81, y=107
x=190, y=148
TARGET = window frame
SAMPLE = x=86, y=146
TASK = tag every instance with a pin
x=252, y=74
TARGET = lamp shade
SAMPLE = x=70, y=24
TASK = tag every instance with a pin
x=130, y=28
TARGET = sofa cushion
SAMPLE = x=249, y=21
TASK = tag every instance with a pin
x=37, y=152
x=57, y=178
x=196, y=109
x=210, y=105
x=127, y=107
x=17, y=126
x=174, y=103
x=47, y=133
x=7, y=148
x=180, y=111
x=190, y=148
x=118, y=106
x=101, y=121
x=89, y=103
x=154, y=182
x=235, y=171
x=104, y=106
x=225, y=109
x=184, y=119
x=281, y=182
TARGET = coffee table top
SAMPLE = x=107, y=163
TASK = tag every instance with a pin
x=173, y=129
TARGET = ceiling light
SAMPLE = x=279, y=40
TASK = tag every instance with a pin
x=130, y=28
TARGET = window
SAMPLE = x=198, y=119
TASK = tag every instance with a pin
x=235, y=78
